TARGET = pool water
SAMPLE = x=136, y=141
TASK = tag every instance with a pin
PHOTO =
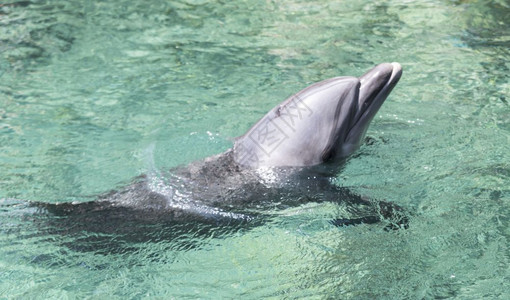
x=94, y=93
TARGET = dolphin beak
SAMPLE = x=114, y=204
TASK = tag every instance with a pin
x=375, y=86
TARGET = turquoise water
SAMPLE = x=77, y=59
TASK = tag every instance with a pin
x=93, y=94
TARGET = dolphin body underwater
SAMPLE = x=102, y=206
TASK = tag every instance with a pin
x=289, y=157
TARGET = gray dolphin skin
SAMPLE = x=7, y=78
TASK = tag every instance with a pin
x=326, y=121
x=289, y=157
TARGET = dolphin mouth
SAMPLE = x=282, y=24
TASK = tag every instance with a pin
x=375, y=86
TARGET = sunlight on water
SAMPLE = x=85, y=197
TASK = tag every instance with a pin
x=92, y=94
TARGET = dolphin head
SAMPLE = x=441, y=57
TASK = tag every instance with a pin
x=325, y=122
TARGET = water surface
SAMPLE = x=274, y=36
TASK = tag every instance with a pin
x=95, y=93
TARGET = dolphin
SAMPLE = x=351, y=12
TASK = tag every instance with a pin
x=289, y=157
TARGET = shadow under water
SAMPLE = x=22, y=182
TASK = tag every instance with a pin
x=103, y=227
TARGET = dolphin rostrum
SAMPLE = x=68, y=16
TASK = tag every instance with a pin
x=287, y=158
